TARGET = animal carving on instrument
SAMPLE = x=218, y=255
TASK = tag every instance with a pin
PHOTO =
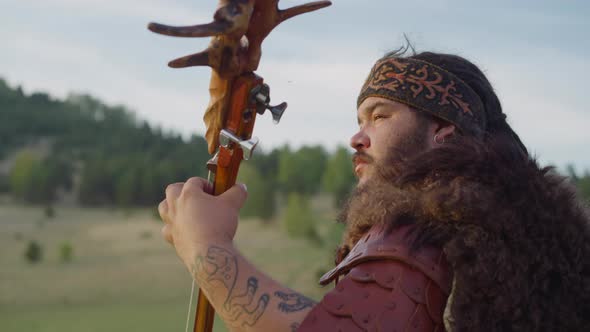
x=238, y=29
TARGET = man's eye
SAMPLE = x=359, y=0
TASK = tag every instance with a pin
x=377, y=117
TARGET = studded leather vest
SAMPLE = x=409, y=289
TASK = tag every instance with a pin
x=385, y=287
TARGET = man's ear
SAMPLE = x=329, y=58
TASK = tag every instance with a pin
x=445, y=132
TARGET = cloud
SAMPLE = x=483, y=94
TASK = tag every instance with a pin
x=174, y=11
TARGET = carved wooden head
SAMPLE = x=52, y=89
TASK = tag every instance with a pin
x=238, y=29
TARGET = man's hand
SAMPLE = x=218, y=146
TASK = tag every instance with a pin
x=195, y=219
x=202, y=227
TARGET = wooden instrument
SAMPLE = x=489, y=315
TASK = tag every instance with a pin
x=237, y=94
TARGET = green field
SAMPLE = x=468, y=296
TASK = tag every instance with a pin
x=123, y=276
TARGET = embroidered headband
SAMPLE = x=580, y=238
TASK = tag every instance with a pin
x=429, y=88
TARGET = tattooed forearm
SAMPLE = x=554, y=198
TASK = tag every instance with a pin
x=218, y=265
x=244, y=304
x=221, y=265
x=292, y=302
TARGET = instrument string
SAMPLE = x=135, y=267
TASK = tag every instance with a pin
x=190, y=302
x=190, y=306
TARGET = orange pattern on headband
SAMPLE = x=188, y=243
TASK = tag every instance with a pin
x=426, y=87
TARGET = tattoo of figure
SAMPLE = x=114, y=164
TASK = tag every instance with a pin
x=294, y=327
x=221, y=265
x=244, y=304
x=293, y=302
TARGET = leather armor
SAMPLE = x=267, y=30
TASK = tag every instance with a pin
x=385, y=287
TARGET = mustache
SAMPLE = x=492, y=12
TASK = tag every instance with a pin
x=388, y=170
x=358, y=157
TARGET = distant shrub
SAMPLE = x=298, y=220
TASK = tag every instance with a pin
x=299, y=220
x=34, y=252
x=338, y=178
x=333, y=237
x=36, y=180
x=261, y=193
x=66, y=252
x=49, y=211
x=4, y=184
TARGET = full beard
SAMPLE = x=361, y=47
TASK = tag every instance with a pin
x=379, y=199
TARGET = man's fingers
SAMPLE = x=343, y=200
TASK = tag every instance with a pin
x=163, y=210
x=196, y=185
x=236, y=195
x=173, y=191
x=167, y=234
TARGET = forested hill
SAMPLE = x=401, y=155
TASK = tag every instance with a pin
x=107, y=145
x=109, y=156
x=81, y=126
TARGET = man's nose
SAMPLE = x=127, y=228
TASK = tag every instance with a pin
x=360, y=141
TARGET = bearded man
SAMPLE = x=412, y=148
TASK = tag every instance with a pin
x=452, y=225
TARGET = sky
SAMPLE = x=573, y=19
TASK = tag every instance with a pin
x=535, y=53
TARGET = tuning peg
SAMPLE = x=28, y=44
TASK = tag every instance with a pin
x=277, y=111
x=248, y=146
x=261, y=95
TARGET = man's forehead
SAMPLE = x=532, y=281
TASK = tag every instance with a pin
x=371, y=103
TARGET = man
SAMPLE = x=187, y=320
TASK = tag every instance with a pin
x=452, y=226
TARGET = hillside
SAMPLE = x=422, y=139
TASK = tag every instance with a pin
x=108, y=156
x=107, y=145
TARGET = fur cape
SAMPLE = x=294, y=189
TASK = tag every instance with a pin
x=515, y=234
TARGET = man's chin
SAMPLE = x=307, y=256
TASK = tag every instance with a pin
x=365, y=177
x=363, y=180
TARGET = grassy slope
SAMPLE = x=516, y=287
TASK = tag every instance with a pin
x=124, y=276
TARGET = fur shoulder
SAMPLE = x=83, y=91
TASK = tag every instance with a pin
x=515, y=234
